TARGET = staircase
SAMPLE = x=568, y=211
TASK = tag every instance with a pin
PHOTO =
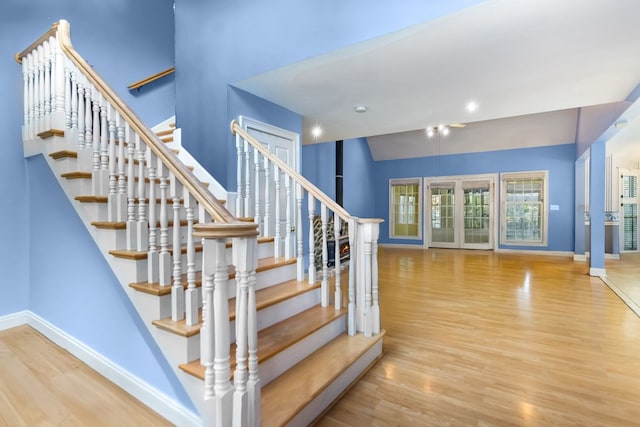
x=253, y=339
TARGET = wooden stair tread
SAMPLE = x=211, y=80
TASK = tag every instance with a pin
x=165, y=132
x=122, y=225
x=264, y=298
x=64, y=154
x=263, y=262
x=287, y=395
x=278, y=337
x=157, y=290
x=103, y=199
x=77, y=175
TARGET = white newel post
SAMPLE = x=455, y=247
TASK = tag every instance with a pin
x=215, y=352
x=246, y=401
x=366, y=314
x=368, y=317
x=375, y=308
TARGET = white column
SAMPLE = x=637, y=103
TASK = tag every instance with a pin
x=247, y=180
x=239, y=197
x=266, y=228
x=256, y=190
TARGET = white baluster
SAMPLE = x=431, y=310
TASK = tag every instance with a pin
x=112, y=202
x=122, y=128
x=47, y=85
x=253, y=382
x=300, y=257
x=85, y=162
x=247, y=181
x=81, y=118
x=164, y=258
x=25, y=97
x=67, y=99
x=31, y=98
x=353, y=265
x=191, y=295
x=277, y=238
x=338, y=291
x=97, y=139
x=74, y=101
x=131, y=195
x=256, y=190
x=103, y=174
x=152, y=258
x=288, y=241
x=142, y=230
x=324, y=288
x=41, y=95
x=240, y=196
x=59, y=76
x=312, y=262
x=266, y=228
x=177, y=292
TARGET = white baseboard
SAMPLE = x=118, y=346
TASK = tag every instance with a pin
x=167, y=407
x=534, y=252
x=401, y=246
x=580, y=257
x=597, y=272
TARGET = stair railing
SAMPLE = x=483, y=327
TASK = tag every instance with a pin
x=65, y=98
x=259, y=170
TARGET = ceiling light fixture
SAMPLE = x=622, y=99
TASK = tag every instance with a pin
x=437, y=130
x=471, y=107
x=316, y=131
x=360, y=109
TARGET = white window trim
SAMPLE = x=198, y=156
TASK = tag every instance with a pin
x=544, y=174
x=405, y=181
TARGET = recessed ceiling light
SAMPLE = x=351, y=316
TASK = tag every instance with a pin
x=360, y=109
x=471, y=106
x=316, y=131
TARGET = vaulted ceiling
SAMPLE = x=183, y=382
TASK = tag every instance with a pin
x=514, y=58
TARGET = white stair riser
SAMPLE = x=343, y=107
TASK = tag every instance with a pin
x=149, y=306
x=286, y=359
x=271, y=277
x=337, y=387
x=285, y=309
x=178, y=349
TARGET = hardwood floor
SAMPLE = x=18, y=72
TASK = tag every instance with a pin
x=477, y=338
x=43, y=385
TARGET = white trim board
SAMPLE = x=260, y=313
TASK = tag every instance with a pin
x=616, y=290
x=534, y=252
x=164, y=405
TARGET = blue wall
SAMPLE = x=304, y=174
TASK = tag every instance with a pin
x=49, y=262
x=559, y=160
x=221, y=42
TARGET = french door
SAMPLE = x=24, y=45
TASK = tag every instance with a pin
x=460, y=212
x=629, y=210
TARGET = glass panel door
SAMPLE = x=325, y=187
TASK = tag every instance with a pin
x=629, y=210
x=443, y=230
x=460, y=212
x=477, y=215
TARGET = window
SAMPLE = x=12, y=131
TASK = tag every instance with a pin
x=405, y=208
x=524, y=208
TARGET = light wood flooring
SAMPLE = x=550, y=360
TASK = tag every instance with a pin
x=477, y=338
x=42, y=384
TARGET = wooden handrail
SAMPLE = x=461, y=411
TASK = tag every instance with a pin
x=212, y=205
x=152, y=78
x=51, y=33
x=312, y=189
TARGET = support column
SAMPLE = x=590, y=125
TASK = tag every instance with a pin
x=579, y=232
x=597, y=178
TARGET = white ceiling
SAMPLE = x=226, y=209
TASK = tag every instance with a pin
x=514, y=57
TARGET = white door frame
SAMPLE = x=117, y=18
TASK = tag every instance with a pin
x=459, y=225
